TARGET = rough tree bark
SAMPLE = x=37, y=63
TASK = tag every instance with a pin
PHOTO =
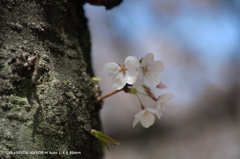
x=63, y=109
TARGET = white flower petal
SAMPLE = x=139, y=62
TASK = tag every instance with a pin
x=152, y=79
x=147, y=119
x=140, y=113
x=153, y=111
x=111, y=68
x=147, y=59
x=137, y=117
x=131, y=63
x=118, y=81
x=131, y=76
x=136, y=120
x=138, y=82
x=157, y=67
x=162, y=108
x=160, y=112
x=161, y=100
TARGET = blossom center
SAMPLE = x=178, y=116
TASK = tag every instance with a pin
x=122, y=69
x=146, y=113
x=145, y=69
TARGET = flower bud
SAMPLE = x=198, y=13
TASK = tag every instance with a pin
x=161, y=85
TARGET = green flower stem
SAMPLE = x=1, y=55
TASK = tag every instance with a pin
x=142, y=107
x=144, y=94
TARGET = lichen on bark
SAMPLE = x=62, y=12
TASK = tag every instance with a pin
x=64, y=108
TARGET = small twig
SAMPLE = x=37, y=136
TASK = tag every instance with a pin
x=109, y=94
x=149, y=92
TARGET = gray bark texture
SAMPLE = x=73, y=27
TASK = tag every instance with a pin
x=56, y=113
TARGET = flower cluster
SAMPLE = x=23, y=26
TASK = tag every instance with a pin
x=134, y=73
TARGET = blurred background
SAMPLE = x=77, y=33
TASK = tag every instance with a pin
x=199, y=43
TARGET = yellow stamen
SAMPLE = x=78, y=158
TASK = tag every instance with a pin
x=145, y=69
x=123, y=69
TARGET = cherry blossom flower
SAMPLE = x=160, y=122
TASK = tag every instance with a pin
x=146, y=117
x=149, y=71
x=122, y=74
x=159, y=105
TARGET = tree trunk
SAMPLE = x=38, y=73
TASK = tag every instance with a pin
x=55, y=114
